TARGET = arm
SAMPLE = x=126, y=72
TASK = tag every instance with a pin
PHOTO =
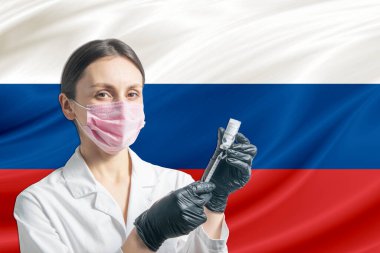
x=37, y=235
x=232, y=173
x=34, y=229
x=134, y=244
x=213, y=225
x=210, y=237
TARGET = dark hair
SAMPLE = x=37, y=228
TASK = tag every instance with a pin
x=90, y=52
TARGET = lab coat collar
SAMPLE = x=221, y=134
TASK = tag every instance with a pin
x=82, y=182
x=78, y=176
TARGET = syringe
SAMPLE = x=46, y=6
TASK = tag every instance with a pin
x=227, y=140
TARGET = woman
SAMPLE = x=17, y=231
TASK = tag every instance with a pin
x=106, y=199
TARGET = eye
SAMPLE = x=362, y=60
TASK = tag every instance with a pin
x=103, y=94
x=133, y=94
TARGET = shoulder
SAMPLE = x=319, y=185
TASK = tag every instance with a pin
x=35, y=193
x=49, y=182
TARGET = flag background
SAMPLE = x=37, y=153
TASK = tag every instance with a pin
x=301, y=76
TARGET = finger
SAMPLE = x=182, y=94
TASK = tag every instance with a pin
x=247, y=158
x=193, y=219
x=240, y=138
x=200, y=188
x=200, y=218
x=242, y=166
x=202, y=199
x=245, y=148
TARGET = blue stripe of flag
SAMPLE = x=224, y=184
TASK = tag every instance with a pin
x=294, y=125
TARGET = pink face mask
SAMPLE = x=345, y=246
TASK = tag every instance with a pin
x=113, y=126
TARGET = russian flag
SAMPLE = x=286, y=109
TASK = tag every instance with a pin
x=304, y=99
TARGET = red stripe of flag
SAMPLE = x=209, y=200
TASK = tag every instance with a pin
x=278, y=211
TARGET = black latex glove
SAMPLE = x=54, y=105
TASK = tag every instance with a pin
x=233, y=172
x=176, y=214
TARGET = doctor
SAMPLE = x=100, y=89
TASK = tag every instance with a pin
x=106, y=199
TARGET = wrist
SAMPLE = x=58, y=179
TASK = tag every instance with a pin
x=217, y=204
x=134, y=244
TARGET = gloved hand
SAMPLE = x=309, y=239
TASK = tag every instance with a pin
x=233, y=172
x=176, y=214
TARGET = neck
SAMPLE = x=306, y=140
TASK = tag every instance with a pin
x=106, y=167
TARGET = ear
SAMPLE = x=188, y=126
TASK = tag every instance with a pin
x=66, y=107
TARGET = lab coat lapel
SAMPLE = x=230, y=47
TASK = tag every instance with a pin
x=78, y=177
x=105, y=203
x=143, y=181
x=81, y=183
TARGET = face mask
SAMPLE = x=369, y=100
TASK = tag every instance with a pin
x=113, y=126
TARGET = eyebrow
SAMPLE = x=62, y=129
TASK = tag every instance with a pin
x=108, y=85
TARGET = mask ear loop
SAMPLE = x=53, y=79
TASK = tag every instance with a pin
x=75, y=102
x=84, y=107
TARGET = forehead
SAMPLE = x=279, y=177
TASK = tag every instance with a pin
x=113, y=70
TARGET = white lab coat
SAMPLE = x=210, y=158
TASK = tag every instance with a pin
x=70, y=211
